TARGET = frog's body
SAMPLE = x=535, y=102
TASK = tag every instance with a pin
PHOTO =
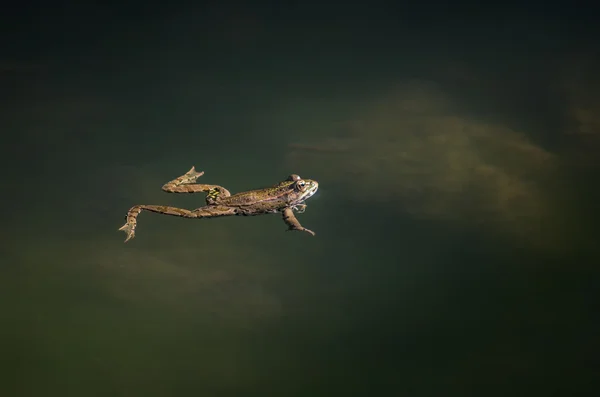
x=285, y=197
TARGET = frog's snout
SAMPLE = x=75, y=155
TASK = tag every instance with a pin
x=313, y=188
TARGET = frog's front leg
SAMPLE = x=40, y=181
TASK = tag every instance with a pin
x=293, y=224
x=186, y=183
x=299, y=208
x=209, y=211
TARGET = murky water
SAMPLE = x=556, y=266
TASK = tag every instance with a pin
x=455, y=250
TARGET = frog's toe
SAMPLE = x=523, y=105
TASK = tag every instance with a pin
x=300, y=229
x=299, y=208
x=129, y=230
x=309, y=232
x=191, y=175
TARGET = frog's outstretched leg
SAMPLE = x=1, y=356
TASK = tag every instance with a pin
x=186, y=183
x=293, y=223
x=202, y=212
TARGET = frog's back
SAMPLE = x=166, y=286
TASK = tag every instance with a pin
x=257, y=197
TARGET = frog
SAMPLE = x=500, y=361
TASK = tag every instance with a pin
x=285, y=198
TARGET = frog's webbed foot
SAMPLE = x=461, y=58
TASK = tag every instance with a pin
x=181, y=183
x=292, y=222
x=190, y=177
x=186, y=183
x=129, y=229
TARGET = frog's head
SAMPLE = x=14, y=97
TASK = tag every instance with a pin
x=300, y=189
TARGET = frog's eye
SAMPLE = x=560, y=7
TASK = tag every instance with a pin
x=301, y=184
x=293, y=177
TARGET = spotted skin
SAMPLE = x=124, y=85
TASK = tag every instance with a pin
x=285, y=198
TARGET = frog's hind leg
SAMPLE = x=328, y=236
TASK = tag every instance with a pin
x=132, y=214
x=186, y=183
x=202, y=212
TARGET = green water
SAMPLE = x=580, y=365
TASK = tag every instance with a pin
x=389, y=298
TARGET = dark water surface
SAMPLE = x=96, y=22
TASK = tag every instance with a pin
x=456, y=239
